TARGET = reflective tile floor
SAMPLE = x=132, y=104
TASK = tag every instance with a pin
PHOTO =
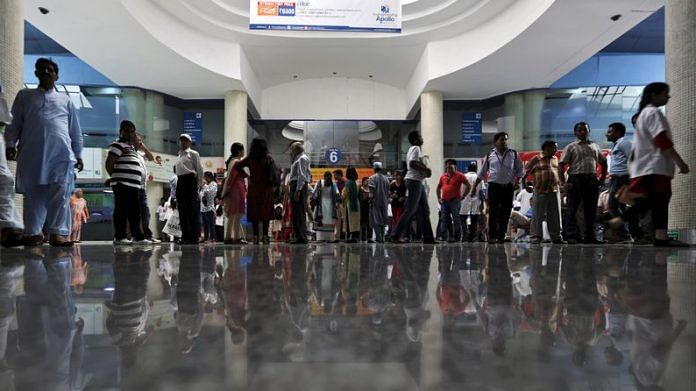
x=348, y=317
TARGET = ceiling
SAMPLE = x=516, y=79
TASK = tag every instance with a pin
x=467, y=49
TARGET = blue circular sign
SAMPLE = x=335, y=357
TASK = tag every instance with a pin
x=333, y=155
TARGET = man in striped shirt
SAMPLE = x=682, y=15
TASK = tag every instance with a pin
x=545, y=203
x=127, y=172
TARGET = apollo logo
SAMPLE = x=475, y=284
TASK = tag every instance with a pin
x=384, y=8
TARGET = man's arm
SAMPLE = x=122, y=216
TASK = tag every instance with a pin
x=110, y=163
x=467, y=188
x=603, y=165
x=13, y=132
x=76, y=141
x=438, y=190
x=199, y=168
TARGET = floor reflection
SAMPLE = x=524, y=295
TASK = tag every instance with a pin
x=331, y=316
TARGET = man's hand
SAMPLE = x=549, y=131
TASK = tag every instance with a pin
x=79, y=165
x=10, y=153
x=683, y=168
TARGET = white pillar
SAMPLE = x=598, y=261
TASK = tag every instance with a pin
x=680, y=57
x=235, y=119
x=533, y=106
x=12, y=61
x=432, y=130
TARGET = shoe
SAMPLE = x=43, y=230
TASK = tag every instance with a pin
x=154, y=241
x=534, y=241
x=33, y=240
x=142, y=242
x=123, y=242
x=241, y=241
x=507, y=239
x=670, y=243
x=12, y=237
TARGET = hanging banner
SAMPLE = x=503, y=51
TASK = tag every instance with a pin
x=326, y=15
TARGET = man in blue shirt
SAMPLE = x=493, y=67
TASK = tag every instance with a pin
x=504, y=169
x=618, y=172
x=46, y=140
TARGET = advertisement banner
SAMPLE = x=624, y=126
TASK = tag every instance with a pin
x=326, y=15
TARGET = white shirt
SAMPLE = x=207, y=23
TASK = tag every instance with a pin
x=189, y=162
x=646, y=158
x=414, y=153
x=471, y=205
x=162, y=213
x=525, y=199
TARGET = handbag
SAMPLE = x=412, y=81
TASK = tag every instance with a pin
x=173, y=225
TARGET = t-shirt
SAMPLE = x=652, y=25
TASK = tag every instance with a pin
x=162, y=213
x=129, y=169
x=646, y=156
x=451, y=185
x=414, y=153
x=525, y=199
x=471, y=205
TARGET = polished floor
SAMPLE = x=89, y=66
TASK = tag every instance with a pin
x=348, y=317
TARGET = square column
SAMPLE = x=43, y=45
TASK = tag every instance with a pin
x=432, y=130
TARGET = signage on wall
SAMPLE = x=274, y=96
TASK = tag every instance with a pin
x=193, y=125
x=472, y=127
x=333, y=155
x=326, y=15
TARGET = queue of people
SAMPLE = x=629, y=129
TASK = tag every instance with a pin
x=479, y=205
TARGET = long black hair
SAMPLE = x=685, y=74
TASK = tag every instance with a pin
x=258, y=149
x=235, y=149
x=650, y=91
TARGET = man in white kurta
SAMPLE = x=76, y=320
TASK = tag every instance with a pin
x=46, y=139
x=10, y=223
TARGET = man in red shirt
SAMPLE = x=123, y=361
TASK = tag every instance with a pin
x=449, y=193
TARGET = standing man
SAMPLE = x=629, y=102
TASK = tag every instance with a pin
x=379, y=201
x=618, y=177
x=582, y=157
x=545, y=202
x=300, y=177
x=189, y=181
x=10, y=223
x=143, y=152
x=340, y=210
x=416, y=199
x=504, y=169
x=46, y=140
x=449, y=193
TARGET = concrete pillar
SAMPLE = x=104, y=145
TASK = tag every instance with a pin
x=432, y=130
x=533, y=105
x=235, y=120
x=12, y=60
x=153, y=128
x=514, y=124
x=680, y=57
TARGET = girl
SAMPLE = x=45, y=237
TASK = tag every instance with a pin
x=234, y=195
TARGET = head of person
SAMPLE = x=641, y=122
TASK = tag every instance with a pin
x=581, y=130
x=451, y=166
x=549, y=148
x=185, y=141
x=364, y=181
x=327, y=178
x=208, y=177
x=473, y=167
x=338, y=175
x=127, y=132
x=258, y=149
x=78, y=193
x=500, y=141
x=398, y=176
x=46, y=70
x=352, y=174
x=656, y=94
x=296, y=148
x=377, y=166
x=615, y=131
x=237, y=150
x=415, y=138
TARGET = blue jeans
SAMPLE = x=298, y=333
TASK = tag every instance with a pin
x=416, y=204
x=208, y=225
x=450, y=218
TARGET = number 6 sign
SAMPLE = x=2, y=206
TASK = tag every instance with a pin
x=333, y=155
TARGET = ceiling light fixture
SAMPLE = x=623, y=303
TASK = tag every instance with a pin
x=335, y=73
x=44, y=10
x=616, y=17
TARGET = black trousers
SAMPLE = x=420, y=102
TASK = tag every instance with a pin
x=299, y=212
x=126, y=211
x=500, y=205
x=189, y=207
x=584, y=190
x=144, y=213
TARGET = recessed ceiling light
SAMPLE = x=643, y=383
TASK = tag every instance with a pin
x=44, y=10
x=294, y=76
x=335, y=73
x=370, y=76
